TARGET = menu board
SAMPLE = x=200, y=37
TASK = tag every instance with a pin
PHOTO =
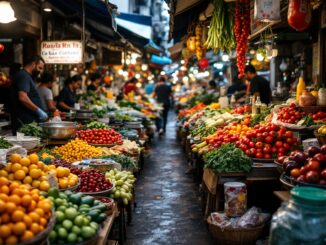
x=62, y=52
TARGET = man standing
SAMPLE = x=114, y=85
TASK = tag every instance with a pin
x=259, y=86
x=163, y=93
x=26, y=102
x=45, y=92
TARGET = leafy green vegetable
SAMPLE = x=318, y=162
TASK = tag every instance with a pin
x=307, y=121
x=95, y=124
x=32, y=129
x=125, y=161
x=227, y=158
x=4, y=144
x=204, y=98
x=257, y=118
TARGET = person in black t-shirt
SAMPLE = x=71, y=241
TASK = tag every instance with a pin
x=26, y=103
x=163, y=93
x=67, y=97
x=259, y=86
x=95, y=83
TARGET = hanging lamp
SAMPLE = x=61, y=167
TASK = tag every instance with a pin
x=7, y=12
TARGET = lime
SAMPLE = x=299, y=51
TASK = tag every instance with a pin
x=94, y=225
x=62, y=195
x=62, y=232
x=75, y=229
x=72, y=238
x=62, y=208
x=53, y=235
x=60, y=216
x=88, y=232
x=53, y=192
x=67, y=224
x=71, y=213
x=86, y=221
x=79, y=220
x=59, y=202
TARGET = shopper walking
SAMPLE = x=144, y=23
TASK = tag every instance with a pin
x=26, y=102
x=259, y=86
x=163, y=95
x=67, y=97
x=45, y=92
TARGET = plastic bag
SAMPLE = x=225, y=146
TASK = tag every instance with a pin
x=267, y=10
x=5, y=153
x=252, y=218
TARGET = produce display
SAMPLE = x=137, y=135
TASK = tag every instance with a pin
x=24, y=212
x=76, y=150
x=126, y=162
x=32, y=129
x=307, y=167
x=227, y=158
x=123, y=181
x=95, y=125
x=92, y=180
x=78, y=217
x=4, y=144
x=100, y=136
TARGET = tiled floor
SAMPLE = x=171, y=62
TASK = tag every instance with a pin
x=168, y=209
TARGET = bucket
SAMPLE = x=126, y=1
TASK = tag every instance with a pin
x=235, y=199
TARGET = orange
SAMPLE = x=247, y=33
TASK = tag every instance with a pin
x=2, y=206
x=4, y=189
x=20, y=208
x=52, y=167
x=35, y=216
x=14, y=185
x=17, y=215
x=33, y=166
x=15, y=158
x=60, y=172
x=5, y=231
x=15, y=167
x=25, y=161
x=15, y=199
x=45, y=205
x=4, y=181
x=27, y=220
x=36, y=183
x=63, y=184
x=10, y=207
x=11, y=240
x=25, y=169
x=35, y=173
x=35, y=228
x=32, y=206
x=33, y=158
x=19, y=228
x=11, y=176
x=40, y=165
x=26, y=200
x=28, y=180
x=5, y=218
x=44, y=186
x=39, y=211
x=19, y=191
x=43, y=222
x=8, y=167
x=3, y=173
x=27, y=235
x=3, y=197
x=19, y=174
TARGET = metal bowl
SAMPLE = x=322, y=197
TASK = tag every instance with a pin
x=59, y=130
x=84, y=114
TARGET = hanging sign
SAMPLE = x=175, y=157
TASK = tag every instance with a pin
x=62, y=52
x=267, y=10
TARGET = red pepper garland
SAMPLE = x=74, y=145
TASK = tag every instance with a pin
x=241, y=31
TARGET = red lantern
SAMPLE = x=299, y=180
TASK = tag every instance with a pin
x=203, y=63
x=2, y=48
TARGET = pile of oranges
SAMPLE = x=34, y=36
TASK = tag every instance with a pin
x=64, y=177
x=24, y=213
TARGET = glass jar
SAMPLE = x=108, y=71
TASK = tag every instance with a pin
x=302, y=220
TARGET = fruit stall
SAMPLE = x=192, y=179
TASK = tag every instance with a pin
x=72, y=182
x=270, y=153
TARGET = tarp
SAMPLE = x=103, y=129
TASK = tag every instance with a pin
x=160, y=60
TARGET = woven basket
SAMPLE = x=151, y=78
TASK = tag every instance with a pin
x=235, y=236
x=321, y=138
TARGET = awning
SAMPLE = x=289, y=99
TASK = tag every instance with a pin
x=160, y=60
x=152, y=48
x=140, y=24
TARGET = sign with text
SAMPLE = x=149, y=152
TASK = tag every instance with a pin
x=62, y=52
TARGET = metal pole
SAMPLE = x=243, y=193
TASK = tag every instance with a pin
x=83, y=31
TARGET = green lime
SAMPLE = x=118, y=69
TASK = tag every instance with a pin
x=62, y=208
x=60, y=216
x=67, y=224
x=72, y=238
x=71, y=213
x=87, y=232
x=59, y=202
x=87, y=220
x=75, y=229
x=62, y=195
x=94, y=225
x=53, y=192
x=53, y=235
x=79, y=220
x=62, y=232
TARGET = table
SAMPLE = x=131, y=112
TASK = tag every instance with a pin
x=102, y=238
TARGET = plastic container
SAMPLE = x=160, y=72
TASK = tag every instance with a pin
x=235, y=199
x=322, y=97
x=302, y=220
x=300, y=87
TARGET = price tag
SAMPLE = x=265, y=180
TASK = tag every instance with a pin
x=51, y=179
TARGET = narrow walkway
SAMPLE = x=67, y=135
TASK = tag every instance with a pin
x=168, y=209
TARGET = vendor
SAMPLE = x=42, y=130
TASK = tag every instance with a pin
x=259, y=86
x=67, y=97
x=26, y=103
x=45, y=92
x=130, y=86
x=95, y=83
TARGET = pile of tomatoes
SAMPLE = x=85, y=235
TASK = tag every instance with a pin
x=223, y=137
x=100, y=136
x=319, y=116
x=290, y=114
x=268, y=141
x=241, y=109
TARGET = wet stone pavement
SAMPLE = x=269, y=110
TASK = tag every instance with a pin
x=168, y=207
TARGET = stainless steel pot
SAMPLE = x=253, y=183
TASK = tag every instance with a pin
x=59, y=130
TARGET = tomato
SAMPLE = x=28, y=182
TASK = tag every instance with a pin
x=259, y=155
x=251, y=144
x=278, y=144
x=269, y=139
x=280, y=154
x=289, y=134
x=265, y=134
x=267, y=156
x=252, y=151
x=289, y=140
x=281, y=150
x=273, y=149
x=313, y=165
x=267, y=149
x=259, y=144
